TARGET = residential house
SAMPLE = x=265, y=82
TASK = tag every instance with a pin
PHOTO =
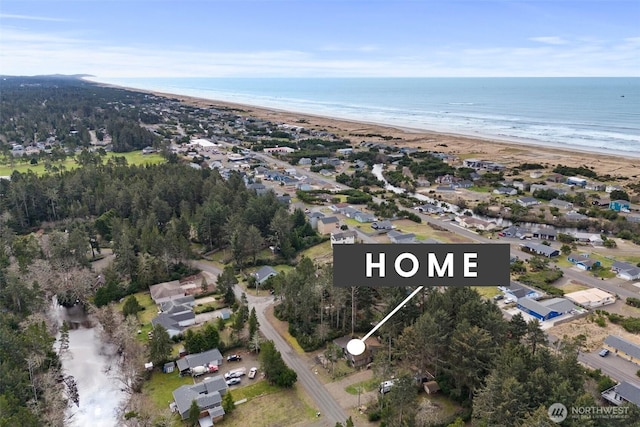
x=505, y=191
x=545, y=233
x=517, y=232
x=445, y=188
x=574, y=216
x=382, y=225
x=445, y=179
x=337, y=208
x=574, y=180
x=516, y=291
x=623, y=393
x=543, y=250
x=562, y=204
x=361, y=360
x=547, y=309
x=344, y=151
x=327, y=224
x=398, y=237
x=165, y=291
x=591, y=238
x=264, y=274
x=623, y=348
x=583, y=261
x=619, y=205
x=520, y=185
x=595, y=186
x=476, y=223
x=207, y=394
x=347, y=237
x=626, y=271
x=429, y=208
x=211, y=357
x=279, y=150
x=463, y=184
x=359, y=165
x=364, y=217
x=304, y=161
x=591, y=298
x=313, y=218
x=350, y=212
x=527, y=201
x=611, y=188
x=258, y=187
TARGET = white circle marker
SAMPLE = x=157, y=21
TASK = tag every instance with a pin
x=356, y=347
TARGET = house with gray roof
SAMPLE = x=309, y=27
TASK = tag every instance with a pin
x=547, y=309
x=527, y=201
x=562, y=204
x=538, y=249
x=327, y=224
x=264, y=274
x=209, y=357
x=347, y=237
x=399, y=237
x=176, y=314
x=626, y=271
x=506, y=191
x=623, y=348
x=382, y=225
x=623, y=393
x=429, y=208
x=207, y=394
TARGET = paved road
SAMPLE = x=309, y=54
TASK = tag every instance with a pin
x=612, y=365
x=331, y=411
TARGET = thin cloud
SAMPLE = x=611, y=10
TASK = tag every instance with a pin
x=32, y=18
x=554, y=40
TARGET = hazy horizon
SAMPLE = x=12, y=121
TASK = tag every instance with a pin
x=310, y=38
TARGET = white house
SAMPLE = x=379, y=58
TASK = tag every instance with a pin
x=347, y=237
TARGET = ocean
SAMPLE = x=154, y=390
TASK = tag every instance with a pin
x=591, y=114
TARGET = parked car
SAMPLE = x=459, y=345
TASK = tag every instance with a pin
x=233, y=358
x=233, y=381
x=498, y=297
x=604, y=352
x=252, y=373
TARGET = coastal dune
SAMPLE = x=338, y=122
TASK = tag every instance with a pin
x=507, y=152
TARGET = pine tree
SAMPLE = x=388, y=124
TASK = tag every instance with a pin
x=253, y=323
x=227, y=403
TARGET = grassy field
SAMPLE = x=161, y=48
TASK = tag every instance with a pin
x=320, y=251
x=571, y=286
x=256, y=389
x=367, y=385
x=280, y=408
x=133, y=158
x=160, y=387
x=487, y=291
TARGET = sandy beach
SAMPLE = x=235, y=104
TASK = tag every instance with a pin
x=509, y=153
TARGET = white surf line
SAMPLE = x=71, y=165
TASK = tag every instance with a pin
x=357, y=346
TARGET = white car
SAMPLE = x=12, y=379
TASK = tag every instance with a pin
x=252, y=373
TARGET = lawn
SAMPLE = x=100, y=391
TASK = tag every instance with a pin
x=487, y=291
x=133, y=158
x=160, y=387
x=572, y=287
x=322, y=250
x=280, y=408
x=367, y=385
x=256, y=389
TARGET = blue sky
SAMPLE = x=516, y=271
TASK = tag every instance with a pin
x=317, y=38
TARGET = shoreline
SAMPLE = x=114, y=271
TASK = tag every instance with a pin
x=508, y=150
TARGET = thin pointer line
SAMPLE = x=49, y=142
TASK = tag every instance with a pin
x=388, y=316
